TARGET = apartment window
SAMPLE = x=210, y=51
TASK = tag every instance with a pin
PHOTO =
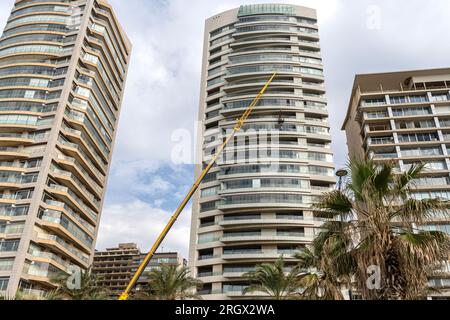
x=242, y=250
x=316, y=156
x=212, y=176
x=411, y=152
x=214, y=81
x=436, y=227
x=267, y=183
x=382, y=140
x=432, y=181
x=398, y=99
x=432, y=165
x=206, y=237
x=6, y=264
x=376, y=114
x=220, y=40
x=209, y=192
x=316, y=170
x=262, y=68
x=418, y=137
x=415, y=124
x=208, y=206
x=401, y=112
x=221, y=30
x=266, y=198
x=212, y=114
x=9, y=245
x=312, y=71
x=432, y=195
x=442, y=109
x=438, y=97
x=10, y=211
x=214, y=71
x=11, y=228
x=4, y=284
x=418, y=98
x=233, y=234
x=373, y=102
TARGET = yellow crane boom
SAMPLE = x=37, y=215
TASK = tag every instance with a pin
x=239, y=123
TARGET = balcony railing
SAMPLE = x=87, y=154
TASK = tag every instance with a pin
x=79, y=184
x=77, y=199
x=71, y=212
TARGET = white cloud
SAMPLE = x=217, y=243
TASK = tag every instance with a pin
x=141, y=223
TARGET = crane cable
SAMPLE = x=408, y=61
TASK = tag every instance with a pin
x=239, y=123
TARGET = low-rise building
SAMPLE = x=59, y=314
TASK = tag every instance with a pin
x=114, y=267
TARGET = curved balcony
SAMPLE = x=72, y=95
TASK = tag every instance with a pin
x=70, y=164
x=49, y=257
x=83, y=134
x=266, y=238
x=35, y=50
x=33, y=18
x=252, y=84
x=41, y=272
x=262, y=70
x=285, y=188
x=61, y=226
x=61, y=246
x=11, y=153
x=93, y=58
x=74, y=183
x=266, y=104
x=68, y=195
x=257, y=256
x=15, y=139
x=75, y=151
x=58, y=207
x=265, y=200
x=267, y=222
x=34, y=6
x=286, y=41
x=35, y=38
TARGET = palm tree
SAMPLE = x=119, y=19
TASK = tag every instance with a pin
x=89, y=288
x=383, y=219
x=170, y=282
x=272, y=280
x=328, y=263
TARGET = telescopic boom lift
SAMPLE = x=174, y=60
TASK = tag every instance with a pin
x=239, y=123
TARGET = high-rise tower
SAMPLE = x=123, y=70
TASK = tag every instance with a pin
x=405, y=117
x=63, y=66
x=255, y=204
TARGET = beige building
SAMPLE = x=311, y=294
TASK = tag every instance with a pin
x=114, y=267
x=63, y=66
x=405, y=116
x=254, y=205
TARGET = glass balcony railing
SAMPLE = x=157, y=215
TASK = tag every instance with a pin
x=59, y=218
x=78, y=253
x=241, y=234
x=290, y=234
x=49, y=255
x=82, y=153
x=38, y=272
x=92, y=183
x=71, y=212
x=240, y=252
x=79, y=184
x=88, y=211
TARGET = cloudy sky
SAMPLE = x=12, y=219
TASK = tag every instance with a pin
x=161, y=98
